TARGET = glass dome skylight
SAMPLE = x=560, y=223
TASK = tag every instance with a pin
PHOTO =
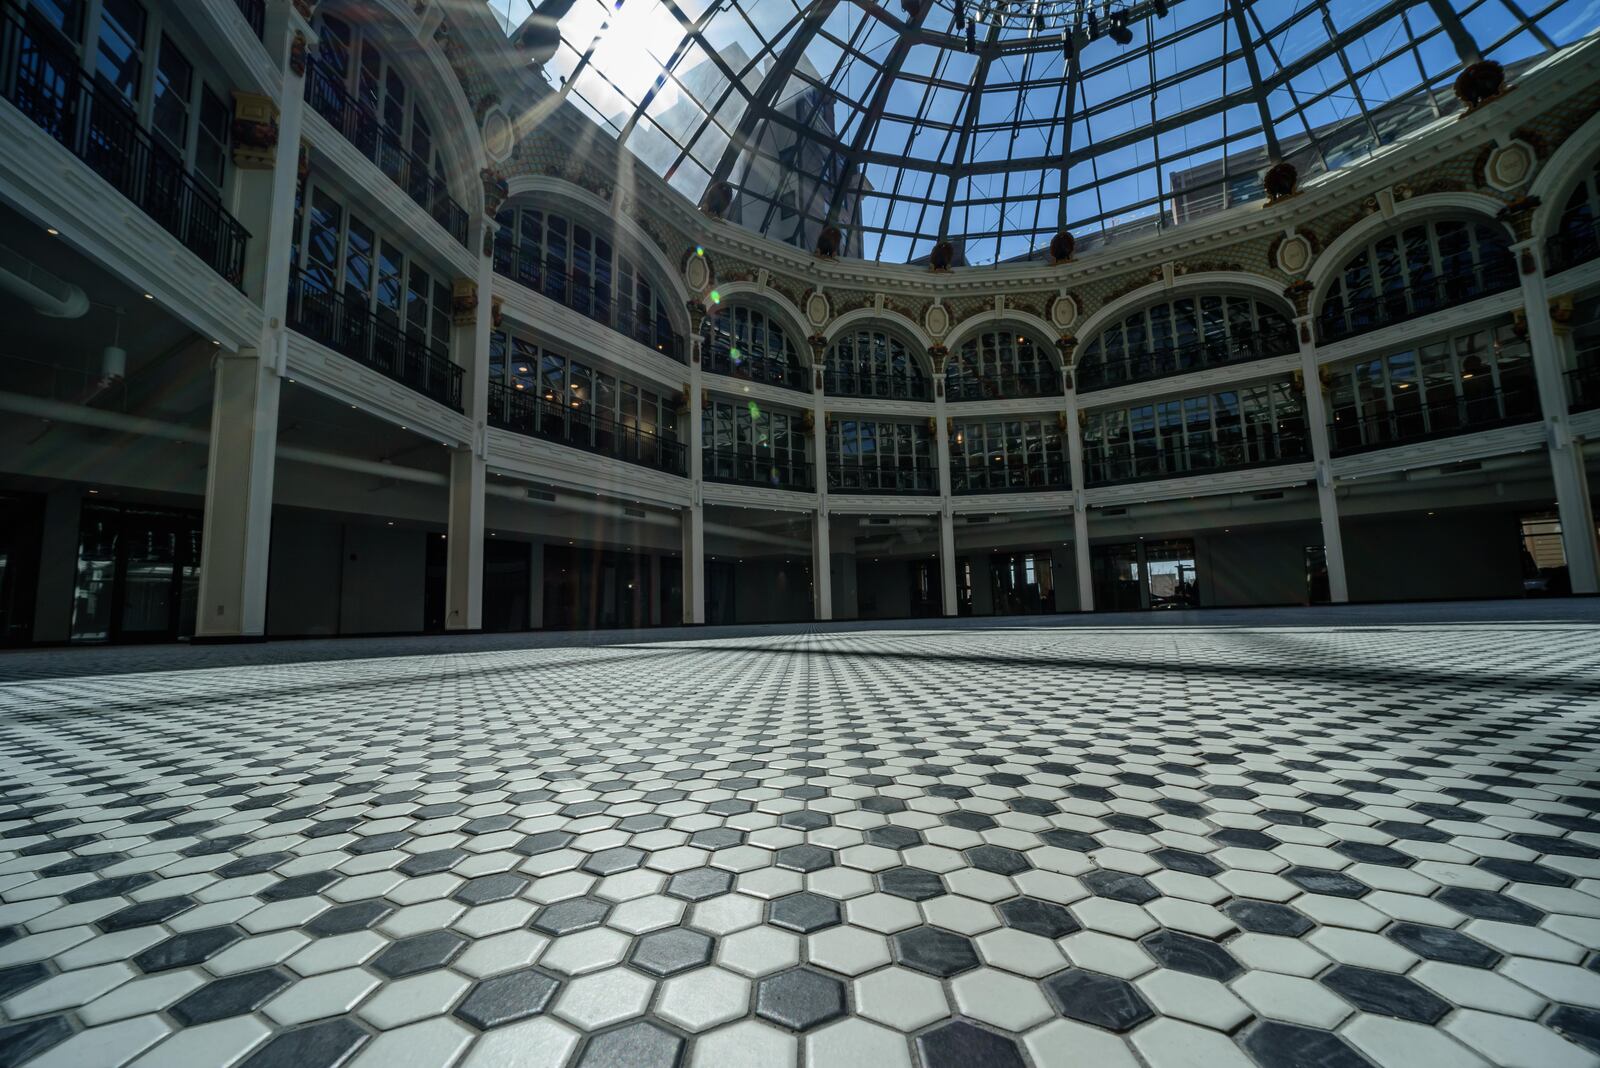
x=996, y=124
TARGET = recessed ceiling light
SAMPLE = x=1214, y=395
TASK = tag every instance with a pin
x=52, y=231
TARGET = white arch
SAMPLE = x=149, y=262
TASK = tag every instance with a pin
x=622, y=229
x=1567, y=166
x=789, y=315
x=1479, y=207
x=975, y=324
x=896, y=322
x=1156, y=292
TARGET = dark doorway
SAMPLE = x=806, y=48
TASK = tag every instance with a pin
x=1115, y=570
x=507, y=572
x=436, y=576
x=1173, y=575
x=138, y=575
x=1024, y=583
x=1317, y=574
x=21, y=527
x=595, y=588
x=926, y=596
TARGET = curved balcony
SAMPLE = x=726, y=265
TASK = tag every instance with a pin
x=1350, y=433
x=767, y=471
x=876, y=384
x=1156, y=363
x=360, y=125
x=1345, y=319
x=43, y=80
x=1111, y=465
x=1017, y=476
x=1577, y=242
x=1043, y=382
x=865, y=478
x=379, y=342
x=524, y=413
x=586, y=297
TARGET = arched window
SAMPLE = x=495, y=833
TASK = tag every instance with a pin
x=880, y=456
x=748, y=343
x=576, y=265
x=1184, y=334
x=753, y=445
x=1576, y=239
x=1003, y=455
x=1423, y=268
x=357, y=87
x=998, y=364
x=873, y=363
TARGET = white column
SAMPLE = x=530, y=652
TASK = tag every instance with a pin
x=1566, y=453
x=1080, y=509
x=694, y=529
x=947, y=515
x=237, y=533
x=469, y=347
x=1321, y=455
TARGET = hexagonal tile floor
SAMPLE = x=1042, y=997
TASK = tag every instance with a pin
x=999, y=843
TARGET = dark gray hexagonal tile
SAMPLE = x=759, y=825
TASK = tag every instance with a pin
x=20, y=977
x=433, y=862
x=997, y=859
x=256, y=865
x=1384, y=993
x=1373, y=853
x=1077, y=841
x=884, y=805
x=573, y=914
x=700, y=884
x=935, y=951
x=805, y=820
x=544, y=842
x=640, y=1044
x=670, y=951
x=1185, y=861
x=804, y=912
x=805, y=858
x=1326, y=881
x=190, y=947
x=969, y=821
x=1443, y=944
x=642, y=821
x=115, y=886
x=614, y=861
x=146, y=913
x=352, y=916
x=23, y=1042
x=1244, y=838
x=959, y=1044
x=913, y=884
x=1284, y=1045
x=1577, y=1024
x=1095, y=998
x=800, y=998
x=490, y=888
x=1033, y=806
x=1267, y=917
x=716, y=838
x=312, y=882
x=319, y=1045
x=489, y=824
x=1119, y=886
x=507, y=998
x=418, y=953
x=1186, y=953
x=234, y=995
x=1044, y=918
x=1488, y=905
x=1524, y=871
x=891, y=837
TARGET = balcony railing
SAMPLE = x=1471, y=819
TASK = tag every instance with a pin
x=531, y=414
x=879, y=384
x=1040, y=382
x=863, y=478
x=771, y=370
x=1018, y=476
x=255, y=13
x=1583, y=383
x=587, y=297
x=360, y=125
x=765, y=470
x=1109, y=465
x=1349, y=433
x=1157, y=363
x=1348, y=318
x=1577, y=242
x=43, y=80
x=380, y=342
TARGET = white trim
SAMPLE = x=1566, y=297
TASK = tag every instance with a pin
x=1556, y=178
x=1219, y=282
x=1027, y=321
x=794, y=320
x=1478, y=207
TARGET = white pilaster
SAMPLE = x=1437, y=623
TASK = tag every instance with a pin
x=1321, y=455
x=469, y=347
x=1566, y=453
x=694, y=528
x=947, y=517
x=1080, y=509
x=821, y=563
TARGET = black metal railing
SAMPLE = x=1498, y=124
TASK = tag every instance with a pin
x=380, y=342
x=1343, y=318
x=1019, y=475
x=1152, y=364
x=1040, y=382
x=1404, y=423
x=744, y=469
x=41, y=77
x=532, y=414
x=1583, y=382
x=1107, y=464
x=360, y=125
x=865, y=478
x=1578, y=241
x=584, y=295
x=772, y=370
x=255, y=13
x=881, y=384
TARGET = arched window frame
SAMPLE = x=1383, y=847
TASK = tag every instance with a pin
x=873, y=361
x=755, y=445
x=745, y=341
x=867, y=455
x=999, y=364
x=1577, y=236
x=557, y=252
x=1414, y=270
x=1182, y=333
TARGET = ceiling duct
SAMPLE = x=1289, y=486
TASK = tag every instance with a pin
x=47, y=294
